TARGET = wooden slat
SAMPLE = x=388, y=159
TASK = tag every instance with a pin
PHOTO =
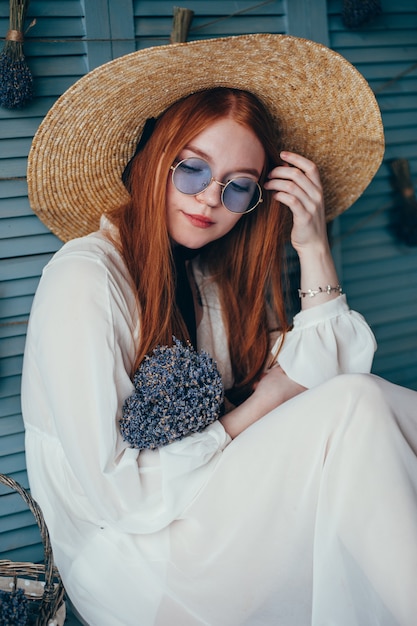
x=34, y=244
x=15, y=465
x=15, y=311
x=10, y=168
x=63, y=65
x=11, y=444
x=388, y=8
x=13, y=188
x=379, y=54
x=10, y=421
x=12, y=540
x=13, y=367
x=55, y=28
x=13, y=326
x=23, y=519
x=14, y=207
x=378, y=40
x=22, y=227
x=149, y=8
x=15, y=289
x=25, y=128
x=385, y=71
x=11, y=388
x=12, y=346
x=37, y=108
x=22, y=267
x=384, y=23
x=201, y=28
x=63, y=8
x=10, y=149
x=62, y=46
x=28, y=553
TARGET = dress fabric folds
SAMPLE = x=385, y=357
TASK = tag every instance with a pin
x=308, y=518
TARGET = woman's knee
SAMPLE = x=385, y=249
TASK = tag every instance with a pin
x=348, y=386
x=360, y=402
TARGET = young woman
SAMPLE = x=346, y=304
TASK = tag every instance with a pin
x=298, y=505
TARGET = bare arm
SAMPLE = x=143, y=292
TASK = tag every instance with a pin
x=272, y=390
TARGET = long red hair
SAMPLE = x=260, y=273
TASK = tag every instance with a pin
x=247, y=263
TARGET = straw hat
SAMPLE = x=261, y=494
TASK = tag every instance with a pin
x=323, y=107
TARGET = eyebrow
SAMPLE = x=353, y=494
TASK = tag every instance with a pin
x=207, y=157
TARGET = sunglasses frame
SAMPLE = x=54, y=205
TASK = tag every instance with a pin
x=222, y=185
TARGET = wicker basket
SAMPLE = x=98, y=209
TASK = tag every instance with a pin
x=41, y=583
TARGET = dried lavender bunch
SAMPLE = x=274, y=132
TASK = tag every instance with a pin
x=16, y=81
x=404, y=213
x=13, y=608
x=178, y=391
x=356, y=13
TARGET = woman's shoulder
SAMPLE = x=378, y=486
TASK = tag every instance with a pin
x=92, y=264
x=98, y=248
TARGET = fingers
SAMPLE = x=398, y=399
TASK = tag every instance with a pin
x=298, y=186
x=305, y=165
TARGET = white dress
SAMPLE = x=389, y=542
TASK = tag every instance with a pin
x=309, y=517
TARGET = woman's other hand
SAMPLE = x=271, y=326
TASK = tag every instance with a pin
x=273, y=389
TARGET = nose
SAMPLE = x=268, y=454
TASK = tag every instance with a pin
x=212, y=194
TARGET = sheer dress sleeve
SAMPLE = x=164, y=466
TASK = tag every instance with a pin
x=78, y=358
x=325, y=341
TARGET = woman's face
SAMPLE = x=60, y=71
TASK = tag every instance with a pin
x=231, y=150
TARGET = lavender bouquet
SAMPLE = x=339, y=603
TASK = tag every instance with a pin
x=178, y=391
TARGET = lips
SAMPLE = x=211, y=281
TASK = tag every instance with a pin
x=200, y=221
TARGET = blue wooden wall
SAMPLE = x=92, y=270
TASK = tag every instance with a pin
x=73, y=36
x=378, y=272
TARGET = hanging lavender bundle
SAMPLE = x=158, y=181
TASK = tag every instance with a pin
x=16, y=81
x=178, y=391
x=356, y=13
x=404, y=214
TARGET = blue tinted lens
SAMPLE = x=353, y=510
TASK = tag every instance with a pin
x=241, y=195
x=191, y=176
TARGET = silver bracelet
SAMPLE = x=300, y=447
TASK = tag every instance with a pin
x=313, y=292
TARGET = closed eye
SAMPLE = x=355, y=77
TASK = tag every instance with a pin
x=242, y=185
x=189, y=169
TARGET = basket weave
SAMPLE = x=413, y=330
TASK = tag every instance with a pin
x=41, y=582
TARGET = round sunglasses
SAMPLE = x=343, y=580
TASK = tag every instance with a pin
x=193, y=175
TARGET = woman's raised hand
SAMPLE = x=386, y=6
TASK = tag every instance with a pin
x=297, y=185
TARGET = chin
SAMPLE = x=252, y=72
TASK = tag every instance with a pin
x=191, y=241
x=191, y=245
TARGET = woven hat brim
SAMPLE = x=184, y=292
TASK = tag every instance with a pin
x=323, y=107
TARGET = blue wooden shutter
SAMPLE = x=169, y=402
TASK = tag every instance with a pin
x=57, y=57
x=380, y=274
x=212, y=18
